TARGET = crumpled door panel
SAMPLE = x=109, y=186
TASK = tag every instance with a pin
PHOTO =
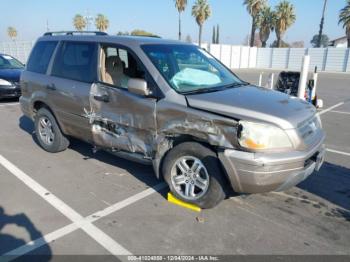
x=126, y=122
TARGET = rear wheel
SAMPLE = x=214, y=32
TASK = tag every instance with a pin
x=48, y=133
x=193, y=174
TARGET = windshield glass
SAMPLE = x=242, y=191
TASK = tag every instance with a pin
x=8, y=62
x=189, y=69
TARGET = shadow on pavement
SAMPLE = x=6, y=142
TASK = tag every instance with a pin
x=331, y=183
x=4, y=101
x=9, y=242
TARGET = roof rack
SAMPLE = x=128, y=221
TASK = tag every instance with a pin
x=75, y=33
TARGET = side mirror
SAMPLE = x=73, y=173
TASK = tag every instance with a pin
x=138, y=86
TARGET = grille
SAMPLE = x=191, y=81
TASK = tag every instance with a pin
x=308, y=129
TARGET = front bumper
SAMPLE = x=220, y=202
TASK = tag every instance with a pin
x=266, y=172
x=12, y=92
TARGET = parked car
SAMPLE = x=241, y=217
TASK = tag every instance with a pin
x=10, y=72
x=174, y=106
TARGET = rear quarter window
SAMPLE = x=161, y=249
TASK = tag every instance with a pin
x=40, y=56
x=76, y=61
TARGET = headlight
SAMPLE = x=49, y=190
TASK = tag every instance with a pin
x=4, y=82
x=258, y=136
x=318, y=117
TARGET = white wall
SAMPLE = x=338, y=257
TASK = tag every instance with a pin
x=17, y=49
x=326, y=59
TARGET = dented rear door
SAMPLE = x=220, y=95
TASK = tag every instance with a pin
x=121, y=120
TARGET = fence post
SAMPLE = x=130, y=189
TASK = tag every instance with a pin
x=271, y=57
x=288, y=58
x=346, y=61
x=325, y=58
x=231, y=54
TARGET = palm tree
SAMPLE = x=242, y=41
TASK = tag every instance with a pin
x=254, y=7
x=344, y=18
x=266, y=24
x=101, y=23
x=320, y=33
x=201, y=11
x=181, y=6
x=285, y=17
x=79, y=22
x=12, y=32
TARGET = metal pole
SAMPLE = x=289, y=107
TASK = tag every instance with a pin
x=313, y=94
x=272, y=80
x=303, y=77
x=260, y=79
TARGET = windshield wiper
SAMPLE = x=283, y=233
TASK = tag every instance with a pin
x=214, y=89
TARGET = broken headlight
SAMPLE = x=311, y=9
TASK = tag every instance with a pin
x=257, y=136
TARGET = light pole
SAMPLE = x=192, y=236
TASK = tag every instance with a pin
x=88, y=19
x=321, y=24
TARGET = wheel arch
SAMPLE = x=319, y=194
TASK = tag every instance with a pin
x=38, y=104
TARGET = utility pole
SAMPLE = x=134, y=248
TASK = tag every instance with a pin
x=321, y=24
x=88, y=19
x=47, y=25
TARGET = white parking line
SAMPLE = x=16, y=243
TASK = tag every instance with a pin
x=338, y=152
x=331, y=108
x=340, y=112
x=59, y=233
x=98, y=235
x=10, y=104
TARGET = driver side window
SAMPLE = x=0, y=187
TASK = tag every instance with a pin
x=118, y=66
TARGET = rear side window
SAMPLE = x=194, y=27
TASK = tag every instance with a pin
x=76, y=61
x=40, y=56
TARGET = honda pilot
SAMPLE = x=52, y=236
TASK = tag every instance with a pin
x=171, y=105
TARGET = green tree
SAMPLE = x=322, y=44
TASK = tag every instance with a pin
x=139, y=32
x=323, y=43
x=101, y=23
x=180, y=6
x=213, y=39
x=282, y=44
x=254, y=7
x=344, y=18
x=266, y=24
x=217, y=40
x=285, y=18
x=123, y=33
x=79, y=22
x=201, y=12
x=188, y=39
x=12, y=32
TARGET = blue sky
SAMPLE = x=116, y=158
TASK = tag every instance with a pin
x=160, y=17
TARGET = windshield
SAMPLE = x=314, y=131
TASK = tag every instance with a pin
x=189, y=69
x=8, y=62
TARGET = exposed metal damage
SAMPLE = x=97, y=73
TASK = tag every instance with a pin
x=150, y=131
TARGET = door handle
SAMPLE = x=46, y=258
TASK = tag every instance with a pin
x=102, y=98
x=51, y=87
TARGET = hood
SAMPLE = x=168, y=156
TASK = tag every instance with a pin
x=255, y=104
x=12, y=75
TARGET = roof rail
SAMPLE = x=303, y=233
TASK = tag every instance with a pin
x=75, y=33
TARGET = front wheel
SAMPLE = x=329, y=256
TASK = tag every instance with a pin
x=193, y=174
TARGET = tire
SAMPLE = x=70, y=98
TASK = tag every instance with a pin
x=209, y=194
x=57, y=142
